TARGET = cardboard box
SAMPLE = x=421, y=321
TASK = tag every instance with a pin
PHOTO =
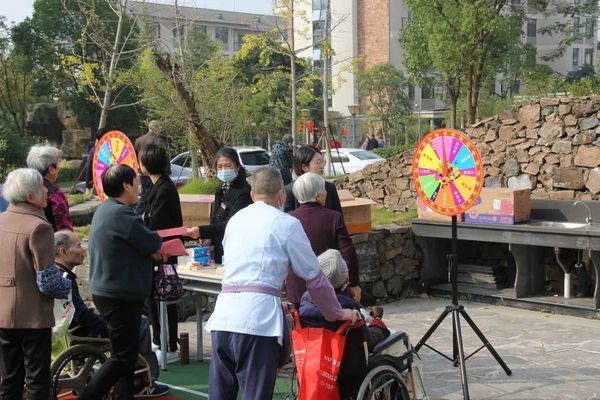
x=425, y=212
x=196, y=208
x=357, y=212
x=503, y=206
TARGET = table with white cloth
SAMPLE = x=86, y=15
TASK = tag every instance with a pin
x=203, y=281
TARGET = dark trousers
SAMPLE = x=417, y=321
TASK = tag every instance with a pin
x=25, y=359
x=123, y=319
x=153, y=308
x=242, y=362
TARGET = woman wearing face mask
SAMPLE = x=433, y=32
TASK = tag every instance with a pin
x=231, y=197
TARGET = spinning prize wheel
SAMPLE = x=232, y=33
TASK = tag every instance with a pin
x=113, y=148
x=447, y=171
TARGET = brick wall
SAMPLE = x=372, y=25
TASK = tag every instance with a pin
x=373, y=32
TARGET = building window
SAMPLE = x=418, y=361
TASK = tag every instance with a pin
x=318, y=10
x=178, y=34
x=317, y=33
x=316, y=54
x=222, y=36
x=411, y=92
x=576, y=30
x=588, y=56
x=157, y=29
x=428, y=90
x=575, y=57
x=238, y=39
x=199, y=28
x=531, y=27
x=589, y=28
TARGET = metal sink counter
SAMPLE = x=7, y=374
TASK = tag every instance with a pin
x=525, y=241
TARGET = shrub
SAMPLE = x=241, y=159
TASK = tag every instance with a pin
x=69, y=175
x=387, y=152
x=200, y=186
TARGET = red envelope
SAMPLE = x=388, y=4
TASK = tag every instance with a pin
x=173, y=247
x=172, y=232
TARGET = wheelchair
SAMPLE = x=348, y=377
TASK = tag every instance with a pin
x=73, y=368
x=393, y=371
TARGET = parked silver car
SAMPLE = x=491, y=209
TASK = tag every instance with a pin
x=251, y=158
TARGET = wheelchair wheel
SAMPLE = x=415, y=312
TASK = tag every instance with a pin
x=73, y=369
x=383, y=382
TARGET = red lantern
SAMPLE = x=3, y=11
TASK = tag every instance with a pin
x=344, y=131
x=310, y=125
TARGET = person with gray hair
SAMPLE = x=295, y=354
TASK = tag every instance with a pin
x=45, y=159
x=353, y=363
x=282, y=155
x=325, y=228
x=26, y=317
x=248, y=328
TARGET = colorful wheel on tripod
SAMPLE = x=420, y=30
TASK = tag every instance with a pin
x=447, y=171
x=113, y=148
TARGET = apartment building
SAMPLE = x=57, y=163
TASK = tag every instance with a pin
x=228, y=28
x=368, y=30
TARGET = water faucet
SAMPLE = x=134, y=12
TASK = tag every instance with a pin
x=588, y=219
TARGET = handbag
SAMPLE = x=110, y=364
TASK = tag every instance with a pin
x=318, y=354
x=64, y=311
x=167, y=284
x=52, y=283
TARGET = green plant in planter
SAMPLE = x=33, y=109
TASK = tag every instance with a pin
x=200, y=186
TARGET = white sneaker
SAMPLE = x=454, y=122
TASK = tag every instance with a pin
x=172, y=356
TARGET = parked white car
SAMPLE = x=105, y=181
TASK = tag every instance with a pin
x=347, y=160
x=251, y=158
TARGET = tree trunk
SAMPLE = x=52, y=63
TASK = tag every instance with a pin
x=207, y=143
x=324, y=64
x=470, y=105
x=292, y=49
x=113, y=64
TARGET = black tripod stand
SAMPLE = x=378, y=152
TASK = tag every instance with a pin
x=458, y=353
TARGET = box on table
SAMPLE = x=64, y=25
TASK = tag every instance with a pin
x=425, y=212
x=196, y=208
x=504, y=206
x=357, y=212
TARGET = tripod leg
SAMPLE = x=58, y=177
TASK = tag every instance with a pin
x=432, y=328
x=485, y=342
x=461, y=354
x=454, y=340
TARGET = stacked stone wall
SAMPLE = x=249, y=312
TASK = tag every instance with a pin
x=550, y=146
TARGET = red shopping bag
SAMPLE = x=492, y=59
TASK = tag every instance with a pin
x=318, y=354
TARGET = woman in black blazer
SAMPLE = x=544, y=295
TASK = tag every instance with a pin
x=231, y=197
x=309, y=159
x=162, y=210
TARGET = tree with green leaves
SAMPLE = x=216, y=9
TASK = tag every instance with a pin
x=80, y=50
x=461, y=41
x=385, y=87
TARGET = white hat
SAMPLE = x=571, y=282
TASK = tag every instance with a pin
x=334, y=267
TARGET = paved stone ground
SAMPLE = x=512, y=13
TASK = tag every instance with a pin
x=552, y=357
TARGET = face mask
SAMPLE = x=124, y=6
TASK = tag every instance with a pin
x=226, y=175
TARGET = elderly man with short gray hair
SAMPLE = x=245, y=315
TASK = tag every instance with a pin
x=261, y=244
x=26, y=319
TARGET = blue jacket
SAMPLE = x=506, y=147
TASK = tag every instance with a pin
x=3, y=202
x=120, y=248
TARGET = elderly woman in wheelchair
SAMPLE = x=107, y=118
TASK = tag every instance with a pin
x=375, y=364
x=87, y=339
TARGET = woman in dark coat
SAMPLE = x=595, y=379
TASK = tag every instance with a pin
x=231, y=197
x=310, y=159
x=162, y=210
